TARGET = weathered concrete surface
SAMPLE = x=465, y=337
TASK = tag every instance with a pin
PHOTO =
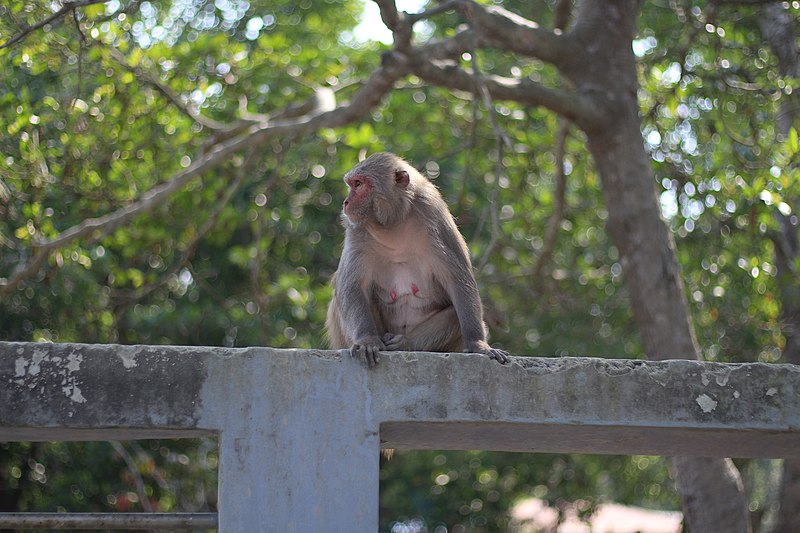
x=588, y=405
x=67, y=391
x=299, y=430
x=298, y=447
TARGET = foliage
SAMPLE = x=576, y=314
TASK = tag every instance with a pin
x=473, y=491
x=725, y=171
x=157, y=476
x=97, y=109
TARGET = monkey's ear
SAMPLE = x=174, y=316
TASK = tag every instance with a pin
x=401, y=178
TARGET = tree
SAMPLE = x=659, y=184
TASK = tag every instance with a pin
x=779, y=31
x=125, y=190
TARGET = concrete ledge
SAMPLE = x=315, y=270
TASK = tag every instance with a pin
x=296, y=427
x=69, y=391
x=585, y=405
x=415, y=400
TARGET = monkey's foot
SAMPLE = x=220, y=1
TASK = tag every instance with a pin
x=395, y=341
x=501, y=356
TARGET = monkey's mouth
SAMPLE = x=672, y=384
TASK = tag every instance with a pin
x=353, y=219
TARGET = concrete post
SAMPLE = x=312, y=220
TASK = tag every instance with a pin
x=299, y=448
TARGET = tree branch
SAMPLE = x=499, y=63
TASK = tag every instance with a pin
x=501, y=141
x=559, y=201
x=450, y=5
x=379, y=83
x=570, y=105
x=389, y=14
x=509, y=31
x=494, y=217
x=450, y=48
x=425, y=62
x=65, y=9
x=323, y=100
x=398, y=22
x=189, y=110
x=133, y=470
x=563, y=14
x=486, y=23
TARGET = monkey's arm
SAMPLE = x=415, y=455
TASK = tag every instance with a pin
x=466, y=301
x=356, y=314
x=463, y=291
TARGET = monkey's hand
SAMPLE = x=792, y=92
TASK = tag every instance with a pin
x=501, y=356
x=366, y=349
x=395, y=341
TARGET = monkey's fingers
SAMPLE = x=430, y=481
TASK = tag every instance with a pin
x=372, y=355
x=498, y=355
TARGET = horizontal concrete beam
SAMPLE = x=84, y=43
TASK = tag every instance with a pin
x=295, y=426
x=587, y=405
x=113, y=521
x=417, y=400
x=101, y=392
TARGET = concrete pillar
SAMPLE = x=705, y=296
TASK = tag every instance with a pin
x=298, y=447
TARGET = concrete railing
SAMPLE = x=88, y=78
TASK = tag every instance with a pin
x=299, y=430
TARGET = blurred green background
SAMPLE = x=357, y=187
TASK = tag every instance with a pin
x=99, y=107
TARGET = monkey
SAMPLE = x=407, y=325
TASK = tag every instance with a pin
x=404, y=280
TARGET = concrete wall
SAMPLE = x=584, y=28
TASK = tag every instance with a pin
x=300, y=430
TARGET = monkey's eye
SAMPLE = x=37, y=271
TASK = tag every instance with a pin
x=356, y=184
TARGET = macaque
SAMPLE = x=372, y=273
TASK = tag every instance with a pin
x=405, y=279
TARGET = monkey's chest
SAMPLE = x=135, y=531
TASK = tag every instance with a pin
x=406, y=295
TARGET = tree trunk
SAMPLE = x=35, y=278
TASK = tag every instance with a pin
x=777, y=28
x=787, y=253
x=711, y=489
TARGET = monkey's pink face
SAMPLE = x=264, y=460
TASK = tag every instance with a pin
x=356, y=205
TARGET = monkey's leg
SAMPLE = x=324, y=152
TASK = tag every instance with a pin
x=438, y=333
x=333, y=328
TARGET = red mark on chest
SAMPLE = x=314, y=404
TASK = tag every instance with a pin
x=393, y=292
